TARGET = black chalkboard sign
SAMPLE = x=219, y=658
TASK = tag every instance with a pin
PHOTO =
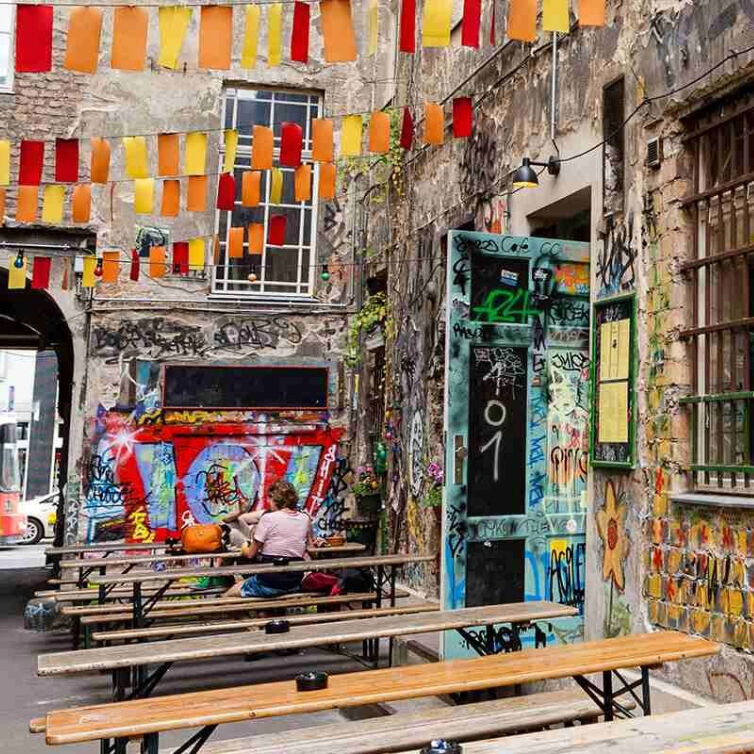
x=245, y=387
x=498, y=403
x=495, y=572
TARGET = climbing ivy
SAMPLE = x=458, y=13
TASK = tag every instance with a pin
x=373, y=314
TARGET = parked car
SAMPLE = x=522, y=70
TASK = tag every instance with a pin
x=41, y=513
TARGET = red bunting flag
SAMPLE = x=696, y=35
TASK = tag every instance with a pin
x=135, y=265
x=30, y=167
x=407, y=130
x=300, y=33
x=226, y=192
x=180, y=257
x=493, y=23
x=291, y=139
x=408, y=26
x=462, y=117
x=66, y=160
x=33, y=38
x=472, y=19
x=276, y=231
x=40, y=276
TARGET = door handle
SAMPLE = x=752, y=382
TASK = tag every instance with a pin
x=460, y=451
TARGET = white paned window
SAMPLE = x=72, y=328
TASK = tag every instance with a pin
x=287, y=270
x=7, y=14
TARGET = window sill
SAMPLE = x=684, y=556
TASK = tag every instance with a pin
x=706, y=498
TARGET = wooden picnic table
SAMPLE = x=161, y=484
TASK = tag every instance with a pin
x=165, y=653
x=208, y=709
x=96, y=547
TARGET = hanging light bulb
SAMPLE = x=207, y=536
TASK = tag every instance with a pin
x=18, y=262
x=98, y=270
x=325, y=274
x=252, y=276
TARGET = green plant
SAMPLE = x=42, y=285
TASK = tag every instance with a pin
x=433, y=498
x=373, y=314
x=366, y=483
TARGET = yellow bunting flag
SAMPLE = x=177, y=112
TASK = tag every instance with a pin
x=174, y=21
x=436, y=23
x=274, y=34
x=110, y=266
x=276, y=186
x=144, y=196
x=88, y=278
x=129, y=48
x=81, y=203
x=4, y=162
x=136, y=156
x=215, y=36
x=327, y=175
x=168, y=160
x=337, y=31
x=171, y=198
x=250, y=37
x=157, y=266
x=17, y=275
x=196, y=153
x=434, y=123
x=261, y=148
x=322, y=140
x=592, y=12
x=53, y=199
x=231, y=145
x=235, y=243
x=379, y=133
x=196, y=254
x=26, y=204
x=373, y=28
x=555, y=15
x=196, y=196
x=82, y=40
x=350, y=139
x=250, y=188
x=100, y=165
x=302, y=184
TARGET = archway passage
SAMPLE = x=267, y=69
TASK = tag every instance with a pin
x=31, y=319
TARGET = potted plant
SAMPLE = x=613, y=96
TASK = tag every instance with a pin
x=432, y=497
x=366, y=490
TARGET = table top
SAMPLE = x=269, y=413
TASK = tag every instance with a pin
x=717, y=728
x=252, y=568
x=104, y=547
x=208, y=647
x=256, y=701
x=166, y=557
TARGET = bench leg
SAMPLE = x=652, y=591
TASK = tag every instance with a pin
x=607, y=697
x=150, y=744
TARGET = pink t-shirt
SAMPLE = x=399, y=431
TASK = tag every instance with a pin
x=282, y=533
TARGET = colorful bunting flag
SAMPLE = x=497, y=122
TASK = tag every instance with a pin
x=2, y=207
x=173, y=21
x=180, y=257
x=81, y=203
x=300, y=32
x=157, y=266
x=231, y=146
x=493, y=23
x=196, y=152
x=88, y=277
x=215, y=37
x=171, y=198
x=129, y=48
x=592, y=13
x=522, y=20
x=555, y=16
x=40, y=273
x=379, y=133
x=226, y=192
x=322, y=140
x=17, y=275
x=30, y=164
x=26, y=204
x=327, y=178
x=337, y=31
x=251, y=188
x=135, y=268
x=4, y=162
x=53, y=199
x=250, y=37
x=196, y=195
x=407, y=130
x=144, y=196
x=436, y=23
x=66, y=160
x=350, y=138
x=276, y=186
x=99, y=170
x=302, y=183
x=274, y=34
x=33, y=38
x=373, y=27
x=196, y=254
x=256, y=238
x=168, y=149
x=136, y=156
x=472, y=21
x=291, y=143
x=434, y=124
x=262, y=142
x=110, y=266
x=82, y=40
x=462, y=117
x=407, y=41
x=235, y=243
x=276, y=230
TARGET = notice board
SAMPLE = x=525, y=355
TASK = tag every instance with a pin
x=613, y=400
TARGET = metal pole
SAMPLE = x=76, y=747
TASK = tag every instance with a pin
x=554, y=93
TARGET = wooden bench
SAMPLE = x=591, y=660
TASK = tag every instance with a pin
x=715, y=729
x=164, y=653
x=91, y=595
x=208, y=709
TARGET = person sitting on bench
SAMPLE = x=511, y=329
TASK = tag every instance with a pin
x=282, y=535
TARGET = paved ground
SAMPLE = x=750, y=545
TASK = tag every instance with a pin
x=23, y=695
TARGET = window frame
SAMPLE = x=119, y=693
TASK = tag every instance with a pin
x=303, y=288
x=7, y=88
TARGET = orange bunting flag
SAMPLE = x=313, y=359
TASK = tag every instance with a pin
x=17, y=275
x=522, y=20
x=129, y=48
x=100, y=164
x=215, y=249
x=261, y=148
x=302, y=183
x=2, y=207
x=81, y=203
x=322, y=140
x=256, y=238
x=82, y=40
x=337, y=30
x=196, y=196
x=171, y=198
x=350, y=137
x=250, y=188
x=555, y=16
x=110, y=266
x=215, y=37
x=26, y=204
x=379, y=133
x=327, y=174
x=434, y=124
x=235, y=243
x=157, y=266
x=167, y=155
x=592, y=12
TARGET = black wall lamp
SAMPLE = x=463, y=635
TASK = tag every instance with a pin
x=526, y=176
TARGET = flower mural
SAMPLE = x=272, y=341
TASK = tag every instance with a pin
x=611, y=525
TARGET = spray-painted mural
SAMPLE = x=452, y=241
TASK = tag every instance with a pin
x=517, y=420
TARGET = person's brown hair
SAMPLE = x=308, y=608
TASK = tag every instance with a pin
x=284, y=494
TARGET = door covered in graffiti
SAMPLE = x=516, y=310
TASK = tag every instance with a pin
x=516, y=417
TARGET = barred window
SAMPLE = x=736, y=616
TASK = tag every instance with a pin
x=7, y=13
x=721, y=144
x=286, y=270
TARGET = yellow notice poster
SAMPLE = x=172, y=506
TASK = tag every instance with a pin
x=613, y=412
x=615, y=342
